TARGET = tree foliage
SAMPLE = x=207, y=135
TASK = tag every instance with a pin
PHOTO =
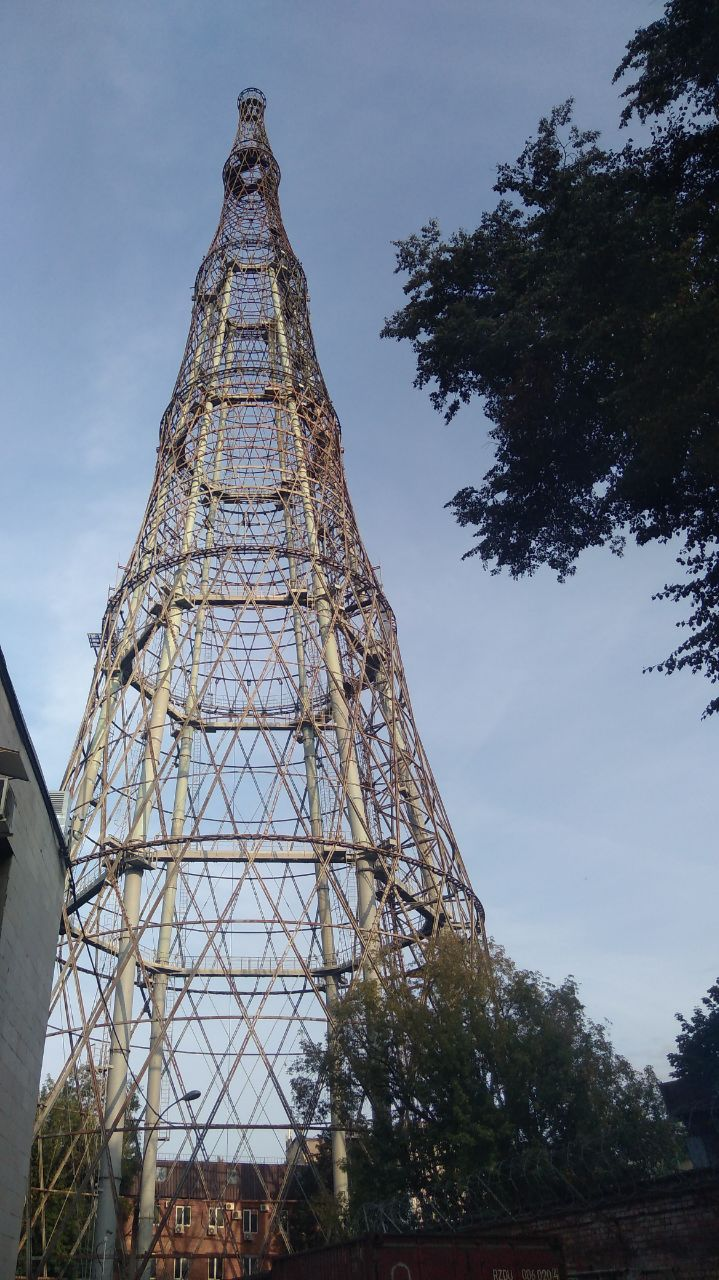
x=583, y=311
x=697, y=1053
x=63, y=1175
x=486, y=1063
x=317, y=1216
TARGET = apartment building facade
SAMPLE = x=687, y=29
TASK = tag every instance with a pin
x=217, y=1220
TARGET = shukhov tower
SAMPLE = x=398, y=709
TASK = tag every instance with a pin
x=255, y=826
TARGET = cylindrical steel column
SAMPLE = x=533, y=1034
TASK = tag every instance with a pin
x=324, y=906
x=148, y=1176
x=116, y=1093
x=366, y=900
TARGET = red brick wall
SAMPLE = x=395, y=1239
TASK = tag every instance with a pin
x=665, y=1229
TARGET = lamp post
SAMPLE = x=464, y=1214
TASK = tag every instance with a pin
x=192, y=1096
x=147, y=1207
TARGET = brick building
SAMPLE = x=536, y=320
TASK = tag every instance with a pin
x=662, y=1230
x=218, y=1220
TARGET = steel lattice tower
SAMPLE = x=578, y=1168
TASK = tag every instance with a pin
x=254, y=821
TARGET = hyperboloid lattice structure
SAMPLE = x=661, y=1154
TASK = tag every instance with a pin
x=254, y=822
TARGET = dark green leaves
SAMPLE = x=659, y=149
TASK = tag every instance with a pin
x=583, y=313
x=697, y=1053
x=677, y=58
x=485, y=1065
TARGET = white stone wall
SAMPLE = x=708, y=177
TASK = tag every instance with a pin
x=31, y=882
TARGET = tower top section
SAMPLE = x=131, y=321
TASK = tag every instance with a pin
x=251, y=162
x=251, y=102
x=251, y=256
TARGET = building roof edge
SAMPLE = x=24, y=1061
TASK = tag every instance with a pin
x=27, y=742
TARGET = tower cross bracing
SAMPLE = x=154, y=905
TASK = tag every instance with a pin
x=255, y=826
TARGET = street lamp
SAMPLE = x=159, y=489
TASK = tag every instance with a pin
x=192, y=1096
x=147, y=1193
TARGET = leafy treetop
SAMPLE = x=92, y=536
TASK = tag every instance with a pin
x=483, y=1065
x=582, y=312
x=697, y=1052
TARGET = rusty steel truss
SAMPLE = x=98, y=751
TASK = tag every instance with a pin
x=254, y=822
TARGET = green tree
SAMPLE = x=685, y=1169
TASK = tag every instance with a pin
x=64, y=1173
x=697, y=1053
x=486, y=1066
x=316, y=1218
x=582, y=311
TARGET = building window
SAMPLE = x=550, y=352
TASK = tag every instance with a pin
x=153, y=1268
x=183, y=1215
x=250, y=1223
x=215, y=1217
x=161, y=1173
x=214, y=1269
x=250, y=1266
x=182, y=1268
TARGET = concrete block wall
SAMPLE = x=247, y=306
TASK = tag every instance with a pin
x=32, y=877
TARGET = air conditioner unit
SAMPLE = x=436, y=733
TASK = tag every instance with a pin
x=7, y=807
x=211, y=1231
x=229, y=1205
x=264, y=1208
x=60, y=801
x=179, y=1228
x=236, y=1215
x=248, y=1235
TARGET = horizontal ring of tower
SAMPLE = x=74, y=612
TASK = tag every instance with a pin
x=205, y=393
x=287, y=851
x=241, y=967
x=331, y=568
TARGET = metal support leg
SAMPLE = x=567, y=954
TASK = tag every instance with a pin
x=116, y=1095
x=148, y=1178
x=324, y=906
x=366, y=900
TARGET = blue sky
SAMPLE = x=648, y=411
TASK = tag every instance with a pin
x=583, y=793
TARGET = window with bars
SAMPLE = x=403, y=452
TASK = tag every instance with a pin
x=215, y=1217
x=250, y=1222
x=183, y=1215
x=250, y=1266
x=181, y=1268
x=214, y=1268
